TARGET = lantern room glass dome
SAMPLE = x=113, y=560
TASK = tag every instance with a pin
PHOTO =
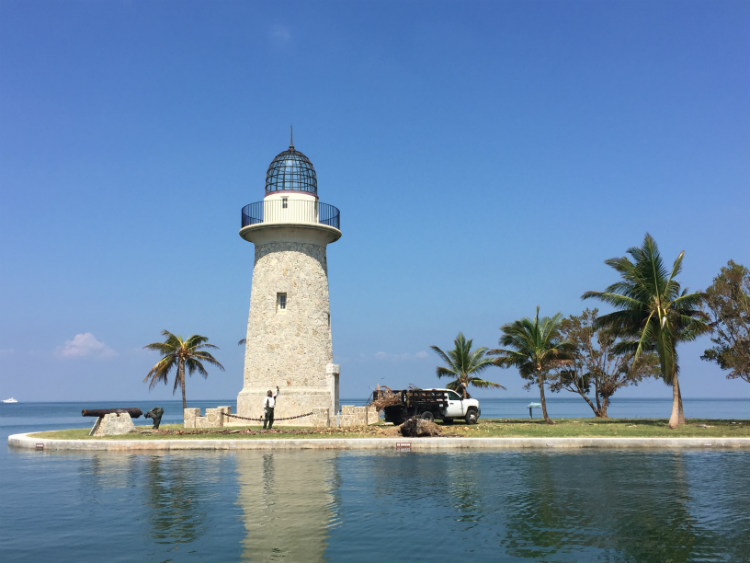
x=291, y=171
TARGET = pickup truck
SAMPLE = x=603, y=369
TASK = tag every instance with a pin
x=444, y=404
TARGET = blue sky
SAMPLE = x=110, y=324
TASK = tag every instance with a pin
x=487, y=157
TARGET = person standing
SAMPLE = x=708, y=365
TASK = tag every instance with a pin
x=269, y=403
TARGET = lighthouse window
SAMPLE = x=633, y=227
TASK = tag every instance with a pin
x=281, y=301
x=284, y=202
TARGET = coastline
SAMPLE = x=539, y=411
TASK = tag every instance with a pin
x=26, y=442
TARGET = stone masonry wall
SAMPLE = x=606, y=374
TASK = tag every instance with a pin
x=289, y=347
x=358, y=416
x=215, y=418
x=320, y=418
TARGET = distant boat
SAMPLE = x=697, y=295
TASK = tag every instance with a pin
x=9, y=400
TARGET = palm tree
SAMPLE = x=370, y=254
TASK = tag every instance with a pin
x=463, y=364
x=180, y=354
x=535, y=347
x=653, y=310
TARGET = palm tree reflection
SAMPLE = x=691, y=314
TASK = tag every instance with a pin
x=614, y=503
x=174, y=498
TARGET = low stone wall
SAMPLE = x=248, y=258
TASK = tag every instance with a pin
x=215, y=418
x=320, y=418
x=357, y=416
x=398, y=444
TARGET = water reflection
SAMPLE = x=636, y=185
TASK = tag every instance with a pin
x=287, y=503
x=103, y=471
x=623, y=506
x=605, y=505
x=544, y=511
x=162, y=506
x=662, y=529
x=463, y=482
x=174, y=500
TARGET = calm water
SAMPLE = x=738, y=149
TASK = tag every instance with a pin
x=356, y=507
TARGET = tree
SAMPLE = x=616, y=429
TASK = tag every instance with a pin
x=728, y=303
x=597, y=363
x=653, y=310
x=535, y=347
x=180, y=354
x=464, y=365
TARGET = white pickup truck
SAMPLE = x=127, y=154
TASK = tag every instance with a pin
x=444, y=404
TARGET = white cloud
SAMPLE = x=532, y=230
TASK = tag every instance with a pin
x=85, y=345
x=388, y=356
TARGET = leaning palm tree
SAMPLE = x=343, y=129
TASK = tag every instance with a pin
x=535, y=347
x=464, y=365
x=653, y=311
x=180, y=354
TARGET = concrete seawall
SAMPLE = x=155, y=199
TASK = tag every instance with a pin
x=24, y=441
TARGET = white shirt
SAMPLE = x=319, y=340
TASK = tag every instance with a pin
x=270, y=402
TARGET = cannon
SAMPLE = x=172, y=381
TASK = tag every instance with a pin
x=155, y=414
x=134, y=413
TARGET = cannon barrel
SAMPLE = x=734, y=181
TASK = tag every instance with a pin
x=134, y=413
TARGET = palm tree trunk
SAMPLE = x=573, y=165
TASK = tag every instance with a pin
x=181, y=375
x=674, y=419
x=547, y=419
x=681, y=413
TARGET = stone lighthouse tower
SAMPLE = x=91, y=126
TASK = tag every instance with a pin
x=288, y=341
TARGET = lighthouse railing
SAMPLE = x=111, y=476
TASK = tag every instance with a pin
x=291, y=211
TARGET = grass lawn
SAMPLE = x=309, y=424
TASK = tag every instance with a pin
x=487, y=428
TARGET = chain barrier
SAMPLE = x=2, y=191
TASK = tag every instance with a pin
x=260, y=418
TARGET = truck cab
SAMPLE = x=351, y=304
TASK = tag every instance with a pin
x=455, y=406
x=458, y=407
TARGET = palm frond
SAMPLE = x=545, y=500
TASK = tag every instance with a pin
x=180, y=355
x=461, y=362
x=650, y=305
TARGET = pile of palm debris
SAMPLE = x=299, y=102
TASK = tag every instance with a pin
x=385, y=397
x=417, y=427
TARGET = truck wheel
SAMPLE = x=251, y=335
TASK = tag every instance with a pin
x=427, y=415
x=472, y=416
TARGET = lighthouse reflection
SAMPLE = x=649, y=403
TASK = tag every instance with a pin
x=287, y=501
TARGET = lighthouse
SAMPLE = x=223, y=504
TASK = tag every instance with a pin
x=288, y=342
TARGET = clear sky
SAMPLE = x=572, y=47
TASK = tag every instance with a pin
x=487, y=157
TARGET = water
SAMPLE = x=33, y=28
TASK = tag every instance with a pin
x=616, y=505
